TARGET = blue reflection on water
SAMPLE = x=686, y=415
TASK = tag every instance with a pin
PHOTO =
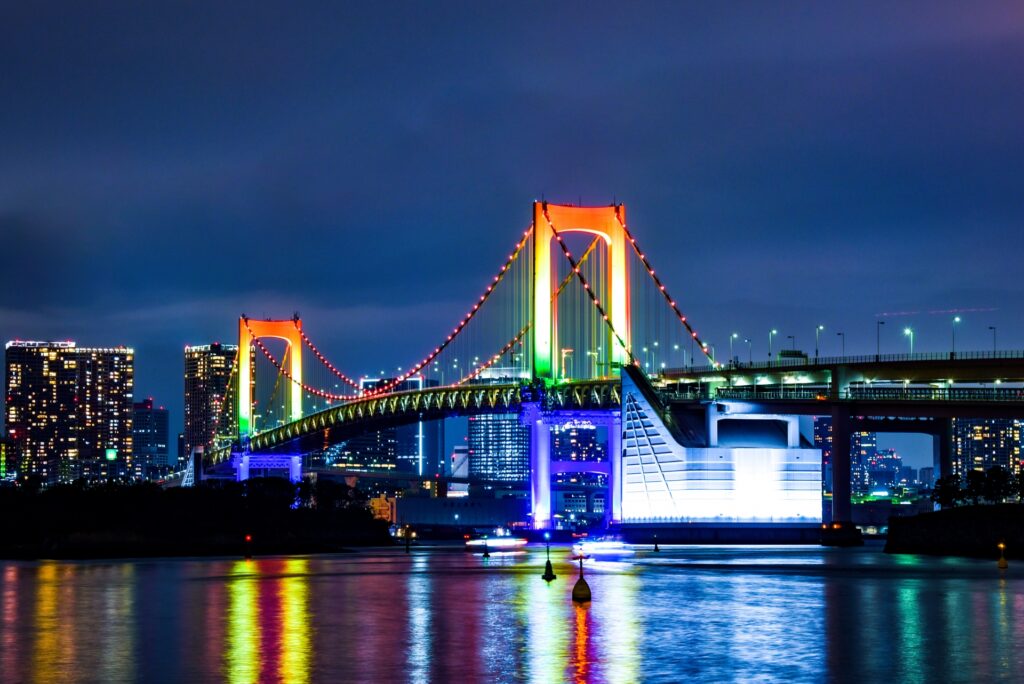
x=705, y=614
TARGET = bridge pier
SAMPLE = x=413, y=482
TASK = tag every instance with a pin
x=614, y=507
x=540, y=466
x=842, y=511
x=942, y=447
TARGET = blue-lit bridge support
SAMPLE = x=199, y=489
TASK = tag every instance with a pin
x=244, y=463
x=542, y=467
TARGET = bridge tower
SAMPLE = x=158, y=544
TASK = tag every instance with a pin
x=608, y=223
x=290, y=331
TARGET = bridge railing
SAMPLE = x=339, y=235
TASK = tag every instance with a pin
x=936, y=393
x=876, y=393
x=819, y=361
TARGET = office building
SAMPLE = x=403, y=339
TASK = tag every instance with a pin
x=69, y=409
x=883, y=469
x=499, y=448
x=150, y=434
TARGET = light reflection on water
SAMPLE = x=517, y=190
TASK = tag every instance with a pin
x=697, y=613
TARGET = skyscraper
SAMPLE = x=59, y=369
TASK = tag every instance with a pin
x=150, y=434
x=211, y=408
x=69, y=409
x=863, y=447
x=884, y=468
x=499, y=448
x=980, y=443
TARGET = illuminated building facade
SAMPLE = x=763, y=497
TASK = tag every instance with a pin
x=150, y=433
x=209, y=410
x=664, y=481
x=884, y=469
x=863, y=448
x=69, y=409
x=980, y=443
x=8, y=459
x=499, y=448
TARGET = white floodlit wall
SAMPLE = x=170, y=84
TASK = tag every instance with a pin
x=663, y=481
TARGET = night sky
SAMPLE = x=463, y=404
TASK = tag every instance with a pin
x=164, y=169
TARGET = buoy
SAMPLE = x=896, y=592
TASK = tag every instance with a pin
x=656, y=544
x=549, y=572
x=581, y=590
x=487, y=554
x=1003, y=565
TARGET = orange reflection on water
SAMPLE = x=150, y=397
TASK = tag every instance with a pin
x=55, y=642
x=582, y=652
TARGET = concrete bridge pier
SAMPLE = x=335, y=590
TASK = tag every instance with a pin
x=942, y=446
x=841, y=508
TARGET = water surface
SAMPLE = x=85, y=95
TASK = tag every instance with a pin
x=703, y=614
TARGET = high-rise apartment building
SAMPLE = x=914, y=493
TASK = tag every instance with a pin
x=211, y=407
x=69, y=409
x=150, y=432
x=980, y=443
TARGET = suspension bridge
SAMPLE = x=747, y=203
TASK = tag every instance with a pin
x=556, y=334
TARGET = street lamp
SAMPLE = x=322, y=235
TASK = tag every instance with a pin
x=750, y=350
x=843, y=336
x=909, y=332
x=771, y=333
x=956, y=319
x=732, y=356
x=993, y=329
x=817, y=332
x=878, y=338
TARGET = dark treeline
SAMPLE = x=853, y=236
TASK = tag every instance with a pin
x=995, y=485
x=115, y=520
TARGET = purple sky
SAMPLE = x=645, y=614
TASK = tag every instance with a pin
x=164, y=168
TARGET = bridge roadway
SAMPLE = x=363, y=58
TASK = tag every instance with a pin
x=353, y=418
x=843, y=372
x=795, y=389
